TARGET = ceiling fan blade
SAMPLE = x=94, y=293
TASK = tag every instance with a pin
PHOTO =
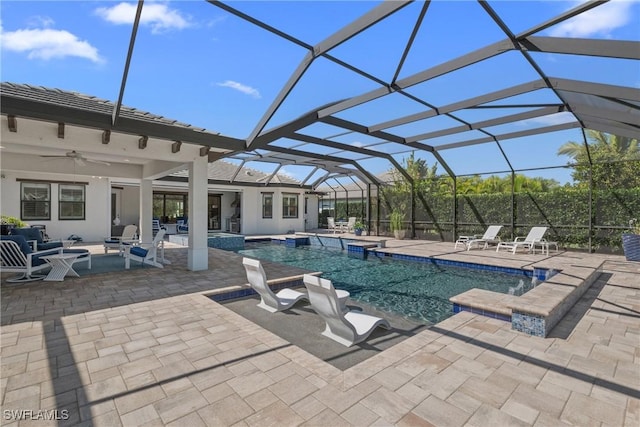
x=98, y=161
x=52, y=156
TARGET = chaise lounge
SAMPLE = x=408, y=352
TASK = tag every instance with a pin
x=346, y=328
x=490, y=237
x=535, y=236
x=283, y=300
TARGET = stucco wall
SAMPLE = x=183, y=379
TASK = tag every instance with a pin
x=254, y=223
x=97, y=194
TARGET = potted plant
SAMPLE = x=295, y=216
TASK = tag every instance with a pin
x=396, y=218
x=9, y=222
x=358, y=228
x=631, y=241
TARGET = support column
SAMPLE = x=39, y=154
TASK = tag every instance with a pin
x=146, y=210
x=198, y=252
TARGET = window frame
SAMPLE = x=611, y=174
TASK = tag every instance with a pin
x=63, y=203
x=266, y=196
x=46, y=202
x=286, y=197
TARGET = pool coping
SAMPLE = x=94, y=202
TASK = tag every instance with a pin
x=537, y=311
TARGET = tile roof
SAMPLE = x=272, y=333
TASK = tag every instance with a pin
x=90, y=103
x=222, y=170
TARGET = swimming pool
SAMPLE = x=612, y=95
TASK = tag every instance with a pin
x=418, y=291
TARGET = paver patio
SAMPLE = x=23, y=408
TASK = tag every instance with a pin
x=146, y=347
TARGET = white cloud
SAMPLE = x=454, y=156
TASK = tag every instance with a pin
x=158, y=16
x=357, y=144
x=600, y=20
x=47, y=43
x=248, y=90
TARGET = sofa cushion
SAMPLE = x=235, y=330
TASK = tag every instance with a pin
x=37, y=259
x=49, y=245
x=29, y=233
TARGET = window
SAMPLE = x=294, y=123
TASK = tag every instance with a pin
x=267, y=205
x=168, y=207
x=36, y=200
x=71, y=203
x=289, y=205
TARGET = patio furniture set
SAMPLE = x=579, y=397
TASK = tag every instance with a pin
x=533, y=241
x=348, y=327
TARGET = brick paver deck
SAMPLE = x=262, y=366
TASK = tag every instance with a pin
x=146, y=347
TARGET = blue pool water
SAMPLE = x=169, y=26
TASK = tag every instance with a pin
x=419, y=291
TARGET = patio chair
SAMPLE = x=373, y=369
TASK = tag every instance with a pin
x=146, y=253
x=183, y=226
x=17, y=256
x=116, y=242
x=331, y=224
x=350, y=223
x=536, y=235
x=35, y=238
x=155, y=226
x=346, y=328
x=490, y=237
x=283, y=300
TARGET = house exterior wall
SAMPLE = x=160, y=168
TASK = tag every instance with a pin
x=97, y=201
x=252, y=221
x=97, y=223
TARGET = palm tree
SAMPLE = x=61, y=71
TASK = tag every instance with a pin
x=618, y=147
x=613, y=160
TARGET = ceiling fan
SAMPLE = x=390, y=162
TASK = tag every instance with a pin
x=78, y=158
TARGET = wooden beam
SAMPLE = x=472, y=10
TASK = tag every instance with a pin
x=204, y=151
x=106, y=136
x=142, y=142
x=213, y=156
x=13, y=123
x=175, y=147
x=61, y=130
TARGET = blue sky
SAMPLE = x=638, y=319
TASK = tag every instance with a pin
x=201, y=65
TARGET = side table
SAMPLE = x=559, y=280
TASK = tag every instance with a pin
x=61, y=266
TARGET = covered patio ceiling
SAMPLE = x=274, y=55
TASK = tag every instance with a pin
x=532, y=101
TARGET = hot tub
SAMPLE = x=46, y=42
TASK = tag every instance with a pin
x=225, y=241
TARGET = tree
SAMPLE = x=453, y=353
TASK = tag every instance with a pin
x=615, y=160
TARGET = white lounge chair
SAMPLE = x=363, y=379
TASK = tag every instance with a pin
x=116, y=242
x=346, y=328
x=283, y=300
x=146, y=253
x=490, y=237
x=536, y=235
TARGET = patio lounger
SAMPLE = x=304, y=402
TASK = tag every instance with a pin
x=283, y=300
x=490, y=237
x=346, y=328
x=535, y=235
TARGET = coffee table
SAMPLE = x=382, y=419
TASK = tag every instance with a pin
x=61, y=266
